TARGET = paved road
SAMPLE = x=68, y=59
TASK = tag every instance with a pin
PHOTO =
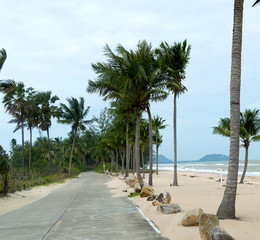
x=83, y=209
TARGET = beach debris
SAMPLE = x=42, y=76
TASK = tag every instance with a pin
x=206, y=223
x=191, y=218
x=211, y=178
x=137, y=187
x=170, y=185
x=192, y=176
x=146, y=191
x=219, y=233
x=169, y=208
x=152, y=197
x=124, y=190
x=164, y=197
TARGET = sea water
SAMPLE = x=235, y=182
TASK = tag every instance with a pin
x=253, y=167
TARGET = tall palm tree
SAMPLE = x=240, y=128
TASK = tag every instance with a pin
x=144, y=139
x=174, y=60
x=249, y=131
x=227, y=209
x=47, y=110
x=157, y=125
x=15, y=103
x=31, y=116
x=3, y=56
x=74, y=114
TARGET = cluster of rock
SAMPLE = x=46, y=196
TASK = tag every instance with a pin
x=111, y=174
x=208, y=225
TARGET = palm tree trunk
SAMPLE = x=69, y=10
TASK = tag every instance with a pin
x=143, y=163
x=134, y=160
x=30, y=154
x=72, y=149
x=122, y=155
x=150, y=147
x=175, y=181
x=49, y=145
x=127, y=151
x=137, y=148
x=226, y=209
x=112, y=161
x=245, y=166
x=116, y=160
x=156, y=154
x=23, y=167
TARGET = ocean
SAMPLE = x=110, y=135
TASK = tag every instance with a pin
x=253, y=168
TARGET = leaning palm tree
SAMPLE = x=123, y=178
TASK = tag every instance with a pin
x=3, y=56
x=226, y=209
x=157, y=125
x=74, y=114
x=144, y=139
x=174, y=60
x=249, y=131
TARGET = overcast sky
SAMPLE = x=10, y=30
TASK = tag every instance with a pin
x=51, y=45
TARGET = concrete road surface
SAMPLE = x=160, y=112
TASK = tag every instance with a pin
x=82, y=209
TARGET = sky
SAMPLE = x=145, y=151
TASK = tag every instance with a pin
x=51, y=45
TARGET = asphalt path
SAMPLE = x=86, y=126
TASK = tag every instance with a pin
x=82, y=209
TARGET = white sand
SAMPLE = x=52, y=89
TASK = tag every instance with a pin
x=199, y=190
x=20, y=199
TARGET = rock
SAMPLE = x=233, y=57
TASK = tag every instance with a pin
x=107, y=172
x=163, y=197
x=152, y=197
x=124, y=191
x=169, y=208
x=137, y=187
x=121, y=177
x=219, y=233
x=191, y=218
x=206, y=223
x=113, y=174
x=146, y=191
x=130, y=181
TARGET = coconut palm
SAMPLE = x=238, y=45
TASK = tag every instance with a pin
x=74, y=114
x=47, y=110
x=157, y=125
x=174, y=60
x=226, y=209
x=14, y=102
x=3, y=56
x=249, y=131
x=144, y=139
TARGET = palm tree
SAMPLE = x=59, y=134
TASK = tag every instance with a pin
x=3, y=56
x=31, y=116
x=15, y=103
x=226, y=209
x=47, y=110
x=74, y=114
x=157, y=125
x=174, y=60
x=249, y=131
x=144, y=139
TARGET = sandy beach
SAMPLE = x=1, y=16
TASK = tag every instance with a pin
x=199, y=190
x=19, y=199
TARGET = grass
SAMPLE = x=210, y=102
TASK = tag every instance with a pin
x=134, y=195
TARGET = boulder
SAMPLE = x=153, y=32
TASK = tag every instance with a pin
x=169, y=208
x=191, y=218
x=163, y=197
x=121, y=177
x=130, y=181
x=152, y=197
x=146, y=191
x=206, y=223
x=137, y=187
x=219, y=233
